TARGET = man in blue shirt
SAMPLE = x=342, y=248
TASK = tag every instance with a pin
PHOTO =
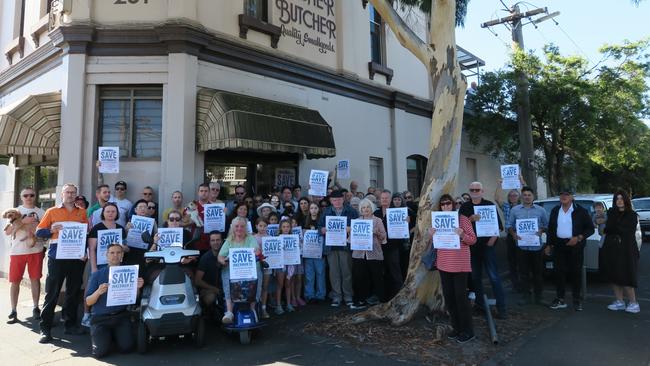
x=108, y=322
x=529, y=258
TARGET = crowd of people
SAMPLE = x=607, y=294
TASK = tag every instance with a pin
x=342, y=276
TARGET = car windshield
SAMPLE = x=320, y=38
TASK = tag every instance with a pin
x=548, y=205
x=641, y=204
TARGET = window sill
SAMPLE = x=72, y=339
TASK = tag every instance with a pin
x=375, y=68
x=247, y=22
x=17, y=45
x=39, y=28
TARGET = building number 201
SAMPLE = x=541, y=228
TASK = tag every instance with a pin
x=125, y=2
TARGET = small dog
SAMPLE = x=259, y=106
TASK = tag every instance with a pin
x=16, y=225
x=193, y=211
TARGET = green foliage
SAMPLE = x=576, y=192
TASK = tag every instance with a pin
x=587, y=122
x=425, y=6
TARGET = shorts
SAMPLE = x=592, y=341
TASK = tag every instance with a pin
x=295, y=269
x=17, y=263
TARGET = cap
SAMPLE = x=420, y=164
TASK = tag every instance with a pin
x=567, y=191
x=336, y=194
x=120, y=183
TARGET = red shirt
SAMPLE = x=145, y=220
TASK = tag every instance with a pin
x=458, y=260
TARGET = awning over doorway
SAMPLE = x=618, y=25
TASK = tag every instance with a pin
x=31, y=126
x=227, y=121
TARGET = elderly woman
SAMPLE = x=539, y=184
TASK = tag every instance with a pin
x=368, y=265
x=620, y=253
x=454, y=267
x=237, y=238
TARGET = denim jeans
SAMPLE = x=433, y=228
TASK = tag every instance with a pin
x=315, y=278
x=485, y=257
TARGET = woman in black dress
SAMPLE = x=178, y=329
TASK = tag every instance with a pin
x=620, y=253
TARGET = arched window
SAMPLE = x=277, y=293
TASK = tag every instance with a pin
x=416, y=166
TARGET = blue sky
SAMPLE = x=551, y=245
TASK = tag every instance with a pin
x=589, y=24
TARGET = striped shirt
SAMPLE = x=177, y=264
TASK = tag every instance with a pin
x=378, y=238
x=458, y=260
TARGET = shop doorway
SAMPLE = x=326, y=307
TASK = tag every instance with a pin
x=258, y=172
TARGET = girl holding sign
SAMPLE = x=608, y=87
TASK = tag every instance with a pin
x=284, y=279
x=367, y=266
x=315, y=287
x=455, y=267
x=261, y=225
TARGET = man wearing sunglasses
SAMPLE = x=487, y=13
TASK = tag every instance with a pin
x=121, y=201
x=483, y=252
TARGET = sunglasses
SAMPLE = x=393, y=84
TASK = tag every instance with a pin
x=409, y=197
x=475, y=190
x=446, y=203
x=174, y=219
x=31, y=195
x=151, y=207
x=147, y=194
x=120, y=189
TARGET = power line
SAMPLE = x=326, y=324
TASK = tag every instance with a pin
x=572, y=41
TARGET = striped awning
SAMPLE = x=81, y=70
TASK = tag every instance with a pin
x=227, y=121
x=31, y=126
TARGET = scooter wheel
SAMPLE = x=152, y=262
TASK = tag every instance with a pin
x=199, y=333
x=143, y=337
x=245, y=337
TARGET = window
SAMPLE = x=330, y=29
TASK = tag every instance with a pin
x=376, y=37
x=416, y=167
x=472, y=169
x=131, y=118
x=376, y=172
x=257, y=9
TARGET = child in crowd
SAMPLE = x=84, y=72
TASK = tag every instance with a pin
x=283, y=278
x=299, y=270
x=261, y=225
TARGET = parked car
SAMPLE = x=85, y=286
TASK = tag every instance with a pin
x=642, y=208
x=592, y=247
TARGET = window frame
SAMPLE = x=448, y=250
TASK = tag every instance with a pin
x=374, y=161
x=132, y=98
x=259, y=6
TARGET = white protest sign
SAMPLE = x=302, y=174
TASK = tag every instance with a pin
x=510, y=176
x=272, y=249
x=335, y=230
x=488, y=225
x=249, y=227
x=214, y=217
x=361, y=234
x=273, y=229
x=343, y=169
x=291, y=249
x=109, y=159
x=527, y=229
x=297, y=230
x=398, y=227
x=122, y=285
x=312, y=244
x=168, y=236
x=318, y=183
x=71, y=243
x=140, y=225
x=242, y=264
x=104, y=239
x=445, y=223
x=285, y=177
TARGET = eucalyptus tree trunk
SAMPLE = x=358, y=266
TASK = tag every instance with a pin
x=422, y=287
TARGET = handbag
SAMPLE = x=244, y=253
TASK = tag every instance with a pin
x=429, y=258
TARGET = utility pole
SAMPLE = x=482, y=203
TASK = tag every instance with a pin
x=526, y=147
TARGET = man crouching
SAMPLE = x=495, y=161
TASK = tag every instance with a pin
x=108, y=322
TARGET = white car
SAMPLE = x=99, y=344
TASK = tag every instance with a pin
x=642, y=208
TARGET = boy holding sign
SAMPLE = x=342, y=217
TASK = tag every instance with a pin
x=110, y=322
x=529, y=258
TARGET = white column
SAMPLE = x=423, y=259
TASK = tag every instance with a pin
x=398, y=141
x=178, y=153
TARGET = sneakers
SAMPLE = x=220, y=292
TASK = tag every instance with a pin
x=46, y=337
x=464, y=338
x=290, y=308
x=558, y=304
x=577, y=305
x=228, y=317
x=372, y=300
x=617, y=305
x=265, y=314
x=349, y=304
x=36, y=313
x=358, y=305
x=633, y=308
x=335, y=303
x=279, y=310
x=85, y=321
x=13, y=317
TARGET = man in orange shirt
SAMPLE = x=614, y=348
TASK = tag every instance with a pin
x=70, y=270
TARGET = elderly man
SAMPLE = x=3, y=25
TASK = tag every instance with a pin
x=483, y=252
x=215, y=190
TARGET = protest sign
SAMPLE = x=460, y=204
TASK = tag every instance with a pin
x=241, y=264
x=398, y=227
x=104, y=239
x=140, y=225
x=291, y=249
x=297, y=231
x=318, y=183
x=510, y=176
x=122, y=285
x=71, y=243
x=488, y=225
x=168, y=236
x=272, y=247
x=527, y=229
x=214, y=217
x=273, y=229
x=109, y=159
x=249, y=227
x=445, y=223
x=343, y=169
x=312, y=244
x=285, y=177
x=361, y=234
x=335, y=230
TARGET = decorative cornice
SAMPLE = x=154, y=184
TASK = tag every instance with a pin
x=27, y=65
x=17, y=45
x=72, y=39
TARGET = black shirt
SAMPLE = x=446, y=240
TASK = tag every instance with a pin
x=211, y=269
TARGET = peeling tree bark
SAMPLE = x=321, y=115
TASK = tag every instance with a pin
x=422, y=287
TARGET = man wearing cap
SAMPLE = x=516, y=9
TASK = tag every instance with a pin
x=569, y=227
x=339, y=258
x=121, y=201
